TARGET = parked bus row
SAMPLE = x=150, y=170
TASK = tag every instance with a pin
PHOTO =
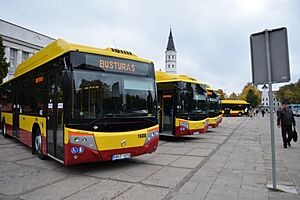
x=78, y=104
x=186, y=106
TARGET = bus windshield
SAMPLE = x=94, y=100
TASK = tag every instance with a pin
x=213, y=105
x=98, y=94
x=193, y=99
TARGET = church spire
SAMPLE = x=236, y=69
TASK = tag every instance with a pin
x=171, y=46
x=171, y=54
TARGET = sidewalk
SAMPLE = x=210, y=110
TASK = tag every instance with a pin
x=230, y=162
x=242, y=166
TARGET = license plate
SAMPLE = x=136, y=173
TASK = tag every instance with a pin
x=121, y=156
x=196, y=133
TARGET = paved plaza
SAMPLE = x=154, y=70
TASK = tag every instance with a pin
x=230, y=162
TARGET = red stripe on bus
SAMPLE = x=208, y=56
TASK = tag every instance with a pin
x=25, y=137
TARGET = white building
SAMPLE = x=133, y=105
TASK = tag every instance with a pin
x=171, y=56
x=20, y=43
x=265, y=99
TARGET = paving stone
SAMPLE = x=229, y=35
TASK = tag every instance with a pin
x=178, y=150
x=138, y=192
x=61, y=189
x=187, y=161
x=189, y=196
x=109, y=169
x=167, y=177
x=136, y=173
x=208, y=146
x=46, y=164
x=105, y=189
x=199, y=152
x=24, y=179
x=162, y=149
x=162, y=159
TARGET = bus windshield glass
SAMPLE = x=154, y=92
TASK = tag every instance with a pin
x=101, y=94
x=193, y=98
x=214, y=103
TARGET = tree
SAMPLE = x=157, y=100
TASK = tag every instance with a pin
x=289, y=93
x=3, y=64
x=222, y=94
x=254, y=98
x=233, y=96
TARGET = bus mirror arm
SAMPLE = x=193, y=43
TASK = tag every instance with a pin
x=66, y=74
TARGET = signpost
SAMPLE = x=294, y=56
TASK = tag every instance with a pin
x=270, y=64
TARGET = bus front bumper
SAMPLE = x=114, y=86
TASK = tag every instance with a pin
x=215, y=121
x=191, y=127
x=83, y=147
x=90, y=155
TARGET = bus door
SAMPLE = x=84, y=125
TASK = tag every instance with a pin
x=167, y=112
x=16, y=112
x=55, y=133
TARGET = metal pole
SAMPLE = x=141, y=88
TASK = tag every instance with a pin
x=271, y=105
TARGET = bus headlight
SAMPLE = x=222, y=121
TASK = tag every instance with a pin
x=84, y=140
x=150, y=135
x=184, y=124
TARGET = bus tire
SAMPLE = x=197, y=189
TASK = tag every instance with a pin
x=4, y=129
x=38, y=144
x=240, y=114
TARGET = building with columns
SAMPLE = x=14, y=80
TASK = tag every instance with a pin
x=171, y=56
x=20, y=43
x=265, y=99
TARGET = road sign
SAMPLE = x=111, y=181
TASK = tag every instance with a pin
x=270, y=64
x=275, y=43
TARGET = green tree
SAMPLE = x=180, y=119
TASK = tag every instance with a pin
x=233, y=96
x=3, y=64
x=251, y=98
x=289, y=93
x=254, y=94
x=222, y=94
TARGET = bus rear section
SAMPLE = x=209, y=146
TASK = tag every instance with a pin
x=82, y=104
x=235, y=108
x=182, y=105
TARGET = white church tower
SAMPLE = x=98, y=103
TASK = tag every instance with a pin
x=171, y=56
x=265, y=99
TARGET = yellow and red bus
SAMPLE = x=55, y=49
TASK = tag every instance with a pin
x=80, y=104
x=235, y=107
x=214, y=107
x=182, y=105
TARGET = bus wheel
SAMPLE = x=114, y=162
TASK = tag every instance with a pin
x=38, y=144
x=240, y=114
x=4, y=129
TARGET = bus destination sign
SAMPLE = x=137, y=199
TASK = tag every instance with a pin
x=112, y=64
x=115, y=65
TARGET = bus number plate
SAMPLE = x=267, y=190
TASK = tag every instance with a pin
x=121, y=156
x=196, y=133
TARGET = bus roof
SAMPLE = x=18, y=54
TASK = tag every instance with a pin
x=59, y=47
x=163, y=77
x=229, y=101
x=211, y=89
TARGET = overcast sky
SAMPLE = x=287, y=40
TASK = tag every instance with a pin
x=211, y=37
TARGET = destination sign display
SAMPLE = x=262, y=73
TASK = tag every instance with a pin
x=111, y=64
